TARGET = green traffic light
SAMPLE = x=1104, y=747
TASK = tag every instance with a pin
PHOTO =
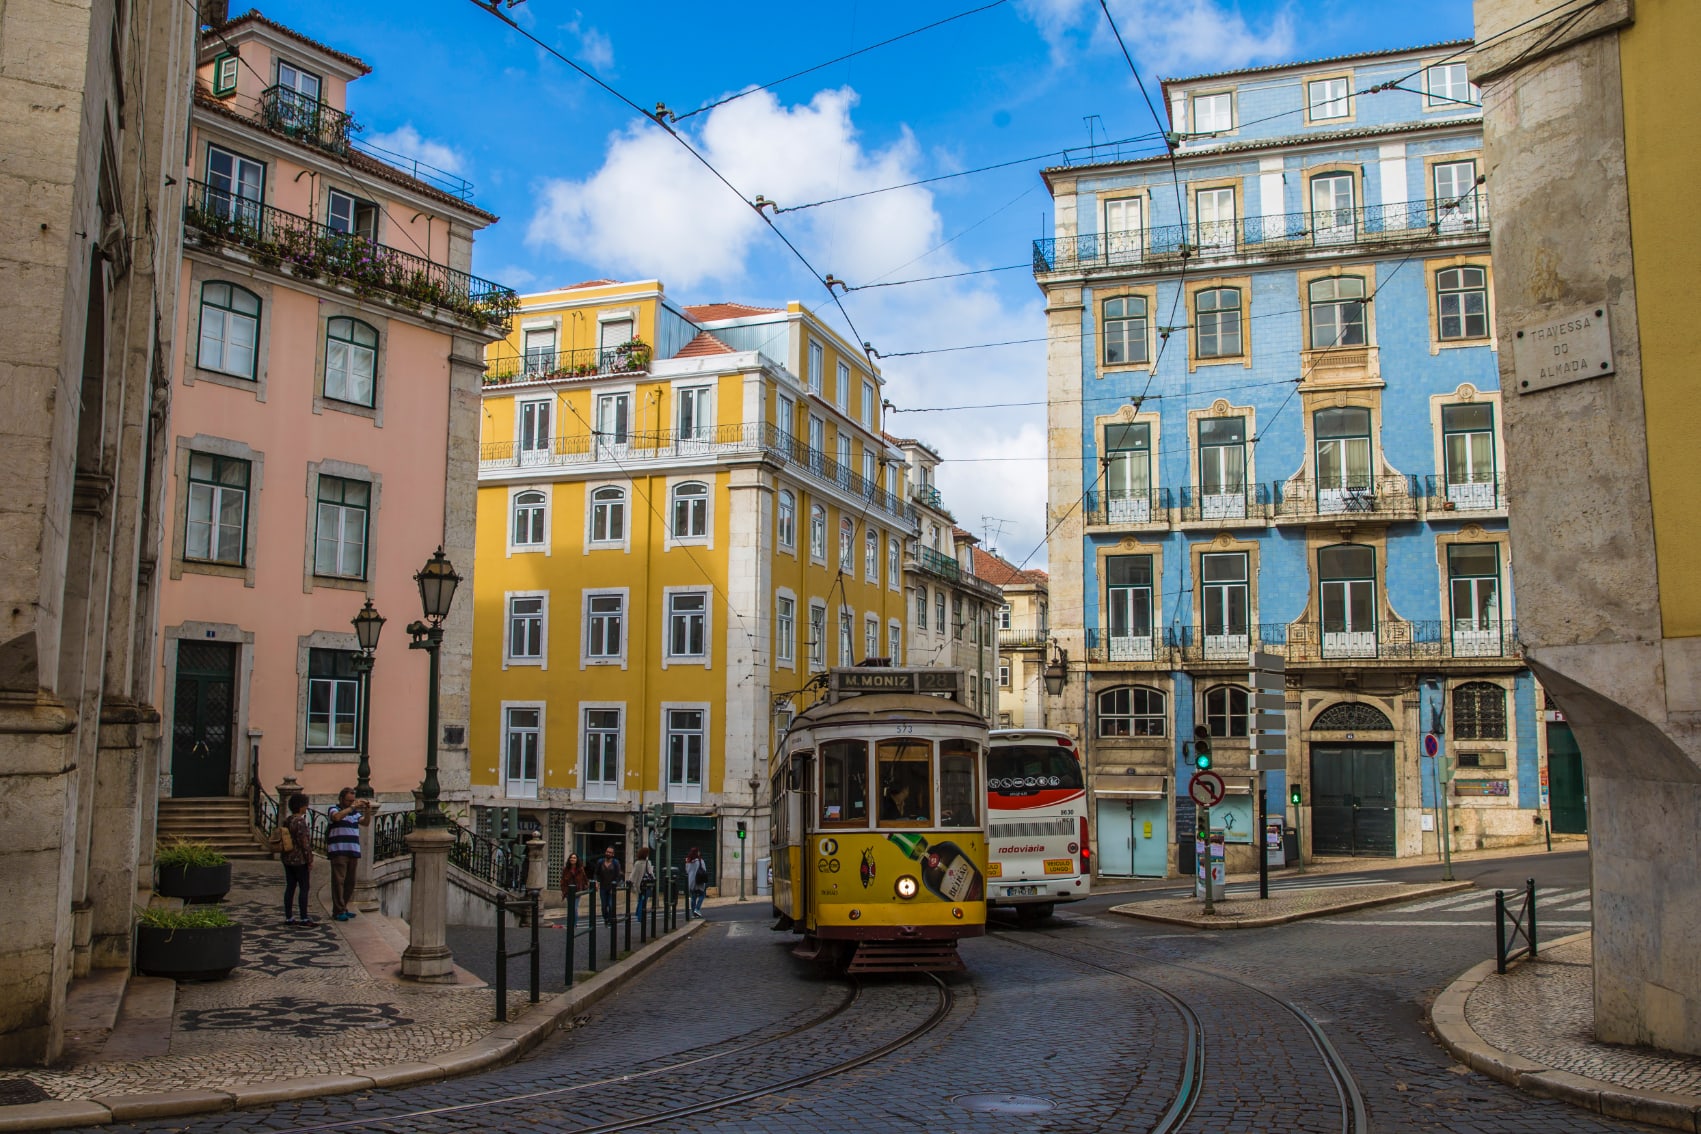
x=1293, y=797
x=1202, y=760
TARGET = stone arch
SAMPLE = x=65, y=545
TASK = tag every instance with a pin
x=1352, y=716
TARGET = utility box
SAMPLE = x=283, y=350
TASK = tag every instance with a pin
x=764, y=876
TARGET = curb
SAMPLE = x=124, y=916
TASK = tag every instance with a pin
x=508, y=1041
x=1131, y=910
x=1447, y=1017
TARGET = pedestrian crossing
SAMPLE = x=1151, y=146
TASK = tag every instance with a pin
x=1555, y=909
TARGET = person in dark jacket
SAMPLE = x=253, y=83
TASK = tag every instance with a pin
x=298, y=861
x=573, y=874
x=696, y=880
x=609, y=874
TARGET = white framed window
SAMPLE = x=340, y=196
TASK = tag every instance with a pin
x=895, y=642
x=351, y=360
x=1214, y=210
x=785, y=519
x=539, y=348
x=1347, y=592
x=226, y=69
x=921, y=608
x=894, y=563
x=612, y=333
x=817, y=636
x=785, y=415
x=868, y=404
x=614, y=418
x=1132, y=711
x=605, y=626
x=333, y=700
x=1448, y=86
x=528, y=612
x=230, y=330
x=846, y=641
x=818, y=533
x=817, y=363
x=1224, y=599
x=1328, y=98
x=844, y=461
x=685, y=732
x=530, y=527
x=870, y=472
x=1004, y=617
x=1334, y=215
x=603, y=741
x=871, y=556
x=939, y=612
x=785, y=629
x=1461, y=300
x=689, y=513
x=1122, y=237
x=339, y=536
x=607, y=515
x=1337, y=312
x=351, y=216
x=696, y=413
x=1004, y=675
x=217, y=527
x=841, y=388
x=687, y=625
x=870, y=637
x=1124, y=331
x=235, y=187
x=522, y=748
x=847, y=540
x=535, y=419
x=1456, y=195
x=1213, y=113
x=1216, y=323
x=817, y=441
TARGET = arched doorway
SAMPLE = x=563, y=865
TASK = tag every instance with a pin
x=1352, y=783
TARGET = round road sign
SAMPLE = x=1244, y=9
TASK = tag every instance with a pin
x=1431, y=744
x=1206, y=788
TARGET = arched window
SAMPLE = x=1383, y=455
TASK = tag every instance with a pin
x=351, y=360
x=690, y=510
x=1226, y=711
x=787, y=519
x=1351, y=716
x=1216, y=322
x=1337, y=312
x=847, y=534
x=528, y=518
x=608, y=515
x=230, y=329
x=1479, y=711
x=1131, y=710
x=817, y=532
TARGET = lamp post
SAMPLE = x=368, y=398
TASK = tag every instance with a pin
x=427, y=957
x=367, y=624
x=1056, y=671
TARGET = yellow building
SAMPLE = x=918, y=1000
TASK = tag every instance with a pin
x=684, y=512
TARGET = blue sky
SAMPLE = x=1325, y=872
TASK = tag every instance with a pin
x=587, y=189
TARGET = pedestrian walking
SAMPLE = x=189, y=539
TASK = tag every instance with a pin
x=609, y=874
x=643, y=878
x=696, y=881
x=298, y=860
x=342, y=848
x=573, y=877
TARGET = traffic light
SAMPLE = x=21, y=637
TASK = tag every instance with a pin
x=741, y=828
x=1293, y=797
x=1202, y=748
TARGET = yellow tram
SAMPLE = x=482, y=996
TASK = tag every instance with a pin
x=879, y=812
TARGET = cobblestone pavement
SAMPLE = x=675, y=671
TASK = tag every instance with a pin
x=1542, y=1012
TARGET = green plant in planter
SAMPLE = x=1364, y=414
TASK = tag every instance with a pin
x=189, y=917
x=180, y=852
x=193, y=943
x=192, y=870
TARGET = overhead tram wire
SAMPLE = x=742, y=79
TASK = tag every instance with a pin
x=840, y=59
x=494, y=8
x=929, y=279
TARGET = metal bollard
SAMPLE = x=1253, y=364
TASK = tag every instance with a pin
x=1500, y=931
x=501, y=958
x=613, y=939
x=591, y=925
x=643, y=916
x=537, y=953
x=628, y=917
x=572, y=896
x=1530, y=904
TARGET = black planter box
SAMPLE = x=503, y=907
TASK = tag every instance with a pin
x=188, y=954
x=194, y=883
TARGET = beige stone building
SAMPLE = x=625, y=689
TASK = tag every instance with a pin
x=1023, y=625
x=94, y=109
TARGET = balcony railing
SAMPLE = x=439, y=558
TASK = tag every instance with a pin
x=927, y=494
x=309, y=250
x=1151, y=649
x=938, y=563
x=1225, y=504
x=740, y=440
x=305, y=118
x=1165, y=246
x=1023, y=638
x=1368, y=498
x=1309, y=642
x=1446, y=495
x=1117, y=507
x=558, y=365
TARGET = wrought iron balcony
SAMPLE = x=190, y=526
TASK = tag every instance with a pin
x=1119, y=509
x=559, y=365
x=937, y=563
x=308, y=250
x=1467, y=639
x=1023, y=638
x=749, y=440
x=1165, y=247
x=1151, y=650
x=306, y=119
x=927, y=494
x=1225, y=506
x=1378, y=498
x=1446, y=496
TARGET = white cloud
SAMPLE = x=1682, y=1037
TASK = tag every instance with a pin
x=408, y=142
x=1168, y=38
x=596, y=50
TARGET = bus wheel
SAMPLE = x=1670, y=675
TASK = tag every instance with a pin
x=1029, y=916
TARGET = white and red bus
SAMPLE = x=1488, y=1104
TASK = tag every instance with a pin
x=1036, y=839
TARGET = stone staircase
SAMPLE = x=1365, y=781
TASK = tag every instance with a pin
x=225, y=823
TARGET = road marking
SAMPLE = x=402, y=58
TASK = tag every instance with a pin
x=1461, y=924
x=740, y=929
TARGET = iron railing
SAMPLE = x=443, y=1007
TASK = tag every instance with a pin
x=556, y=365
x=488, y=859
x=1378, y=497
x=1506, y=947
x=927, y=494
x=1445, y=495
x=390, y=830
x=752, y=439
x=1463, y=640
x=1116, y=507
x=1223, y=504
x=1165, y=246
x=306, y=119
x=1151, y=650
x=310, y=250
x=1018, y=638
x=938, y=563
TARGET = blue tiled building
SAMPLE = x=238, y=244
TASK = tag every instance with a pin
x=1275, y=358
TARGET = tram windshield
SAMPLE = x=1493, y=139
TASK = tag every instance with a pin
x=904, y=771
x=844, y=782
x=959, y=789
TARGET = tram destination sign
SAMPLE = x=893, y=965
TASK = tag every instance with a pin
x=891, y=680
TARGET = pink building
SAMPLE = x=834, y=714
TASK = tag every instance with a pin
x=323, y=433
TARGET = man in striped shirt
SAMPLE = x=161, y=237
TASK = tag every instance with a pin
x=342, y=848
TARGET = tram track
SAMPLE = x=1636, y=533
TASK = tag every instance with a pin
x=1193, y=1080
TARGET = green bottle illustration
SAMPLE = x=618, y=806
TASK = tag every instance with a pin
x=945, y=869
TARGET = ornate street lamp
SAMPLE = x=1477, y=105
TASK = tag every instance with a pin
x=367, y=625
x=437, y=582
x=1057, y=670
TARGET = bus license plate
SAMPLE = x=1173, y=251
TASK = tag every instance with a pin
x=1060, y=866
x=1020, y=891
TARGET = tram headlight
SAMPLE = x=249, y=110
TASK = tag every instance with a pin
x=907, y=886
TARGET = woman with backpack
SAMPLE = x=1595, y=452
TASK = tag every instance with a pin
x=297, y=859
x=696, y=880
x=643, y=877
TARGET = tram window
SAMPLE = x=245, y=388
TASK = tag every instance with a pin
x=959, y=792
x=905, y=770
x=844, y=783
x=779, y=830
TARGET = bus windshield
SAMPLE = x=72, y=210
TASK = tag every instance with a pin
x=1020, y=769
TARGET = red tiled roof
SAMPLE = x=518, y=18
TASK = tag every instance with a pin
x=703, y=344
x=964, y=533
x=709, y=312
x=253, y=15
x=1000, y=572
x=589, y=283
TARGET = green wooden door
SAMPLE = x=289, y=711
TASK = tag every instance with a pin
x=1352, y=799
x=1568, y=794
x=203, y=719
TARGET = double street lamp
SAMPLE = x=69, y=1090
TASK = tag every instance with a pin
x=437, y=582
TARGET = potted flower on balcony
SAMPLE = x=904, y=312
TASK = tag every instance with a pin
x=191, y=870
x=193, y=943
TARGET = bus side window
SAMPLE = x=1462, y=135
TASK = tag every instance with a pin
x=959, y=791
